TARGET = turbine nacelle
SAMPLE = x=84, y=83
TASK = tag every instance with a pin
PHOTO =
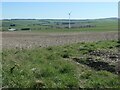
x=69, y=13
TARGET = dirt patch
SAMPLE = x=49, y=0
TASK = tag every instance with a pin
x=37, y=39
x=97, y=65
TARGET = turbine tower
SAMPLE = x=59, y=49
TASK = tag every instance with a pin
x=69, y=20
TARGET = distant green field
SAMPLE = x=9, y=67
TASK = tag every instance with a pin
x=49, y=25
x=65, y=66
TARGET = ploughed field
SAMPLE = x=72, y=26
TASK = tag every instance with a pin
x=28, y=39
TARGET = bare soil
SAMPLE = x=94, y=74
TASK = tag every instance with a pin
x=28, y=39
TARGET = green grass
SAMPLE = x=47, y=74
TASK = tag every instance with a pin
x=35, y=65
x=0, y=75
x=54, y=67
x=101, y=25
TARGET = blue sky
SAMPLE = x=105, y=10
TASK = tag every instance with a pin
x=60, y=0
x=59, y=10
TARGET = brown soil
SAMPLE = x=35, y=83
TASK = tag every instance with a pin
x=28, y=39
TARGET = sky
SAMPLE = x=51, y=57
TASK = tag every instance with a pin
x=60, y=0
x=59, y=10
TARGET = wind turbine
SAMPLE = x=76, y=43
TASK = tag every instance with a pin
x=69, y=19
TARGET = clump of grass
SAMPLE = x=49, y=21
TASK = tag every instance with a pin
x=99, y=79
x=49, y=48
x=118, y=41
x=86, y=75
x=65, y=55
x=87, y=48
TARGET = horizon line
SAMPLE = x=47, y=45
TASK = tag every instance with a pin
x=60, y=18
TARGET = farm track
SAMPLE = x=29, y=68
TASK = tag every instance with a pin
x=38, y=39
